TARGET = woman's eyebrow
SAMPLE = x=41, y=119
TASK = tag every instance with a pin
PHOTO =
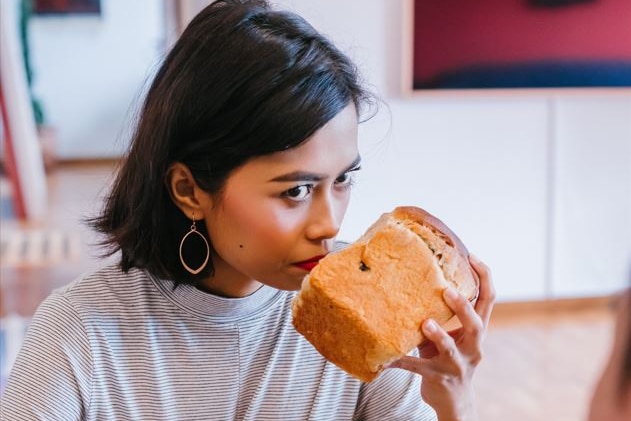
x=354, y=164
x=309, y=176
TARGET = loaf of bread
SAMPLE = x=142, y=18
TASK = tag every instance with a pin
x=362, y=307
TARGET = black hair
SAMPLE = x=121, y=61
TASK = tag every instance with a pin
x=242, y=81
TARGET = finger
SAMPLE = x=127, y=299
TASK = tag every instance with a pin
x=444, y=343
x=472, y=323
x=413, y=364
x=428, y=350
x=486, y=297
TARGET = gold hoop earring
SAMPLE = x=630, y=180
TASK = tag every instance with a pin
x=192, y=231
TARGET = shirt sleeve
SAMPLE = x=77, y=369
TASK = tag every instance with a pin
x=393, y=396
x=51, y=376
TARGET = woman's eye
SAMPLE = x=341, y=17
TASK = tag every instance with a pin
x=345, y=180
x=299, y=193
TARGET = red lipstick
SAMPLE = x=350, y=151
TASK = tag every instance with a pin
x=309, y=264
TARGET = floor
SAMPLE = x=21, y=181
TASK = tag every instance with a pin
x=540, y=363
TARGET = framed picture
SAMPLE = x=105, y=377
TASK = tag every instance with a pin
x=517, y=44
x=64, y=7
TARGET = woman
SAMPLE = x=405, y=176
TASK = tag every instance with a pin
x=239, y=173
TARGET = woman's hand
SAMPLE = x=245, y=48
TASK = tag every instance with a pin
x=447, y=362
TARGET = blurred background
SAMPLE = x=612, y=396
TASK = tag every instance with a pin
x=536, y=181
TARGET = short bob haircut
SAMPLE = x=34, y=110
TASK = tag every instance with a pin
x=242, y=81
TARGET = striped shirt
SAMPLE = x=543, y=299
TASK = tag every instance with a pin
x=126, y=346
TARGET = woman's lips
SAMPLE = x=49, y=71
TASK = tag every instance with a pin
x=308, y=265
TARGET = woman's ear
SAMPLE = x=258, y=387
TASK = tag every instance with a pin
x=185, y=192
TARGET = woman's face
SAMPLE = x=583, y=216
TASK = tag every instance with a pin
x=280, y=213
x=609, y=403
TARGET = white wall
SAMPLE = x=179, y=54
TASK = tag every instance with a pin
x=592, y=211
x=89, y=71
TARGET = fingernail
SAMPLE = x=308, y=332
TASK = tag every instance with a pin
x=451, y=294
x=430, y=326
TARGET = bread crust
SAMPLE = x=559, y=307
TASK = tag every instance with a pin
x=363, y=307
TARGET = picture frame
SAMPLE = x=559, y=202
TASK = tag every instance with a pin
x=66, y=7
x=525, y=45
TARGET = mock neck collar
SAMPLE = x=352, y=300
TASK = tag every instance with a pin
x=218, y=309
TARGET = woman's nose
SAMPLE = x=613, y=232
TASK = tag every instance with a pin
x=326, y=219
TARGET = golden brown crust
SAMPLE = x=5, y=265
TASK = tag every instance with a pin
x=362, y=307
x=425, y=218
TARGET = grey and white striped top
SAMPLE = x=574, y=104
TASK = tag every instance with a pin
x=125, y=346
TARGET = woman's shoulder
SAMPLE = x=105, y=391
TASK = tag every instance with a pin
x=108, y=276
x=102, y=287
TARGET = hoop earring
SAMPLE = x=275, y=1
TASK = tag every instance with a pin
x=193, y=230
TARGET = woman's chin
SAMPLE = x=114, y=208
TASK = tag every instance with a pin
x=287, y=283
